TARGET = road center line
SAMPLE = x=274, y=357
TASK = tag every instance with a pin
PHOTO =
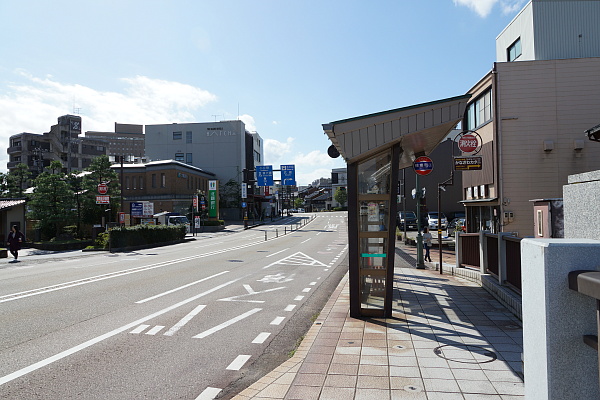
x=98, y=339
x=179, y=288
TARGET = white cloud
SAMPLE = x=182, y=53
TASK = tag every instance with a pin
x=248, y=121
x=276, y=152
x=484, y=7
x=34, y=105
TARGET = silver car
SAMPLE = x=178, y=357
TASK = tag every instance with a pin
x=432, y=220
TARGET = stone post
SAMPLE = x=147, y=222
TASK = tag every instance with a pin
x=557, y=364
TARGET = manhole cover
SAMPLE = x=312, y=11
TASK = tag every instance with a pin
x=465, y=353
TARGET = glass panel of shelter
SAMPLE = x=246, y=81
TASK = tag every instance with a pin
x=374, y=221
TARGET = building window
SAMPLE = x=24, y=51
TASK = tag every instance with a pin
x=188, y=137
x=514, y=50
x=134, y=182
x=141, y=182
x=179, y=157
x=256, y=156
x=479, y=112
x=163, y=181
x=188, y=158
x=153, y=180
x=126, y=182
x=176, y=135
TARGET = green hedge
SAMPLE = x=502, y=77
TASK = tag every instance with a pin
x=213, y=222
x=140, y=235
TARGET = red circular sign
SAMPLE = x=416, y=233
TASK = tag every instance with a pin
x=468, y=143
x=423, y=165
x=102, y=188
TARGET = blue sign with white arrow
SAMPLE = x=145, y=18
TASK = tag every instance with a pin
x=288, y=175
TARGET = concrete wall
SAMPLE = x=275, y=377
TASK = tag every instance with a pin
x=581, y=198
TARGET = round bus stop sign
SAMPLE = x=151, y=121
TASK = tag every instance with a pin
x=102, y=188
x=468, y=143
x=423, y=165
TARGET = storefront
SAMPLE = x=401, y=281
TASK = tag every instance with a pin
x=375, y=147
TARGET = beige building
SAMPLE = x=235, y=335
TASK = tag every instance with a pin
x=127, y=140
x=533, y=138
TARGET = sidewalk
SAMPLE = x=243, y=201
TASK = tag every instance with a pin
x=448, y=339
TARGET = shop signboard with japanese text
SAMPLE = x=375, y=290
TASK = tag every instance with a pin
x=213, y=199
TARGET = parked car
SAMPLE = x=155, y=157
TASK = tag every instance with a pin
x=410, y=217
x=456, y=214
x=432, y=220
x=457, y=224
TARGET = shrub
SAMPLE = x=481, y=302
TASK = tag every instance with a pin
x=213, y=223
x=145, y=234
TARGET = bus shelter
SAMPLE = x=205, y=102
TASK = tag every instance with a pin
x=376, y=147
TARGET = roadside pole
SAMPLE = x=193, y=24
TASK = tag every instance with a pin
x=420, y=261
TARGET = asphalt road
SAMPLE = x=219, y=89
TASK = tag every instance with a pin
x=197, y=320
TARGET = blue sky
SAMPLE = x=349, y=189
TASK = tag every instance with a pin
x=287, y=66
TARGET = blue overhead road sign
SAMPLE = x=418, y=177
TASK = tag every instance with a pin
x=288, y=175
x=264, y=175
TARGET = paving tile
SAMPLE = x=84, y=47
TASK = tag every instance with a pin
x=345, y=359
x=303, y=379
x=410, y=384
x=436, y=373
x=370, y=394
x=405, y=395
x=341, y=381
x=444, y=396
x=476, y=387
x=373, y=382
x=409, y=372
x=274, y=391
x=470, y=396
x=441, y=385
x=303, y=393
x=374, y=370
x=503, y=376
x=509, y=388
x=344, y=369
x=336, y=393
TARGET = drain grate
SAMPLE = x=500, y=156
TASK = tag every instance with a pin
x=235, y=260
x=465, y=353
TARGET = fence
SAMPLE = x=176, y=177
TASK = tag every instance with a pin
x=482, y=251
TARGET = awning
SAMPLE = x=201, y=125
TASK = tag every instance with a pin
x=493, y=200
x=418, y=129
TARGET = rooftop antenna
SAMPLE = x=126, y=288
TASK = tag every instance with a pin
x=216, y=115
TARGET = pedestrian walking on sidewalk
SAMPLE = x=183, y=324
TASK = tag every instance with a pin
x=15, y=238
x=427, y=243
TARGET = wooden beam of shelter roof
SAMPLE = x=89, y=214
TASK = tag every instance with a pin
x=418, y=129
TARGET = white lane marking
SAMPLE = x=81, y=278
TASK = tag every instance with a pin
x=290, y=307
x=280, y=251
x=91, y=342
x=227, y=323
x=298, y=258
x=238, y=363
x=277, y=321
x=209, y=393
x=312, y=283
x=139, y=329
x=184, y=320
x=66, y=285
x=250, y=293
x=318, y=234
x=298, y=298
x=179, y=288
x=261, y=337
x=306, y=290
x=305, y=240
x=155, y=330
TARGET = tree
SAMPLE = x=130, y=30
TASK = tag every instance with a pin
x=298, y=203
x=16, y=180
x=230, y=194
x=341, y=196
x=52, y=201
x=99, y=171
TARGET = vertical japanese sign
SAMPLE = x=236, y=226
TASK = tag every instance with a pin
x=213, y=203
x=288, y=175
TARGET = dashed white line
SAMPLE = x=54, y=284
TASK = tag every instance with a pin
x=261, y=337
x=209, y=393
x=306, y=290
x=280, y=251
x=139, y=329
x=238, y=363
x=312, y=283
x=290, y=307
x=227, y=323
x=184, y=320
x=277, y=320
x=305, y=240
x=155, y=330
x=298, y=298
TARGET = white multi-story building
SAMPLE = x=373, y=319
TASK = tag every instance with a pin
x=224, y=148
